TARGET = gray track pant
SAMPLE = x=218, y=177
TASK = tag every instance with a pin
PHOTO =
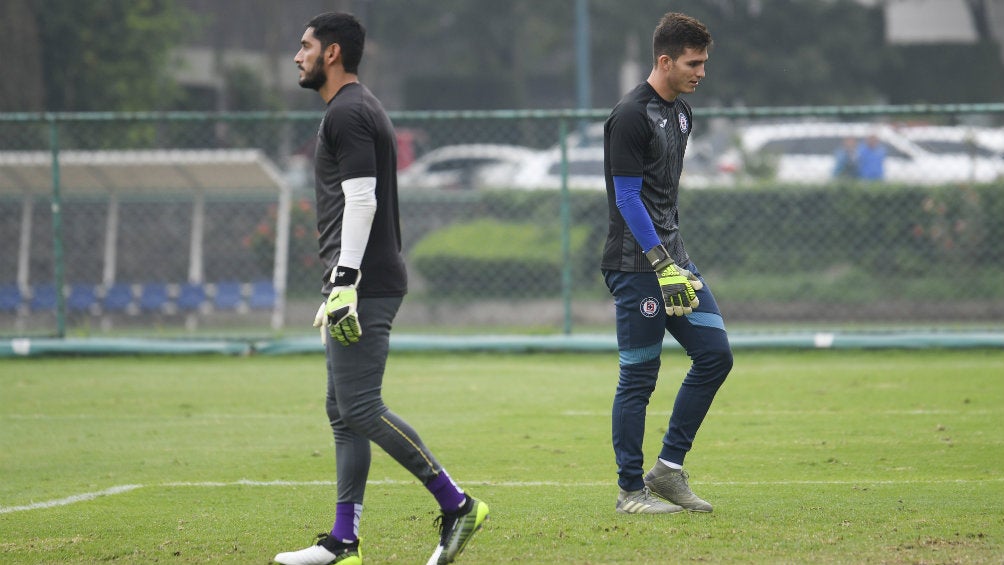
x=356, y=409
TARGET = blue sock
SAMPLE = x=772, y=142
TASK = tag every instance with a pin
x=346, y=528
x=449, y=496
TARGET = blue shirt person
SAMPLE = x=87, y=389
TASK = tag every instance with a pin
x=846, y=165
x=871, y=159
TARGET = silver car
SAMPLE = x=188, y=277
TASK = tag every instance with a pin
x=467, y=166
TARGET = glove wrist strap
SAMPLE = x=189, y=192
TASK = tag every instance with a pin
x=659, y=257
x=345, y=276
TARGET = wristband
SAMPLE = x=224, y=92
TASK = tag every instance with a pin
x=344, y=276
x=659, y=257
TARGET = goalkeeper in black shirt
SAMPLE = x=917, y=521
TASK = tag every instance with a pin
x=364, y=284
x=655, y=285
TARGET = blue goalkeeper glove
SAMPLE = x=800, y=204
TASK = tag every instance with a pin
x=679, y=286
x=338, y=313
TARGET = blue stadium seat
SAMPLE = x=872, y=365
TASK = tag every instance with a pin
x=10, y=297
x=43, y=297
x=153, y=297
x=118, y=298
x=228, y=296
x=191, y=296
x=82, y=297
x=262, y=295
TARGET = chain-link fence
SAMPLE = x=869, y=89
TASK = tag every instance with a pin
x=203, y=224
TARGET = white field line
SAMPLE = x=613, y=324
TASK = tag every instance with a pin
x=70, y=499
x=570, y=413
x=143, y=416
x=515, y=484
x=748, y=413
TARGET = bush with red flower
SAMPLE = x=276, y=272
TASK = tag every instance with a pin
x=305, y=269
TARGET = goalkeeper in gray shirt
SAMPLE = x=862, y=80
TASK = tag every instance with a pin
x=655, y=285
x=364, y=285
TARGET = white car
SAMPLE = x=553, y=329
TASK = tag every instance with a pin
x=969, y=143
x=806, y=153
x=702, y=166
x=544, y=170
x=582, y=134
x=465, y=167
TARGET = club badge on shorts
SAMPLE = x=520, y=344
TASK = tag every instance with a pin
x=649, y=307
x=684, y=123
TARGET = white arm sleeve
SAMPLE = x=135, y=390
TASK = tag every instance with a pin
x=357, y=218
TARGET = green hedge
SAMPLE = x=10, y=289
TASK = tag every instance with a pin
x=487, y=257
x=813, y=243
x=886, y=230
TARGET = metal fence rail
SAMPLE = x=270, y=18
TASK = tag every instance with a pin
x=202, y=225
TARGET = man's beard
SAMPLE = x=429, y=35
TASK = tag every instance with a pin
x=316, y=78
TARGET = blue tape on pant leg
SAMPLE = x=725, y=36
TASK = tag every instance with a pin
x=706, y=319
x=640, y=354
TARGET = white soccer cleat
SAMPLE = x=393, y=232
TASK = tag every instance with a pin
x=327, y=551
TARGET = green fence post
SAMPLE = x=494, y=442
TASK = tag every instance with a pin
x=57, y=228
x=566, y=231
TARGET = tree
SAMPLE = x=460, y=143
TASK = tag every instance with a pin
x=21, y=89
x=459, y=54
x=520, y=54
x=766, y=53
x=108, y=55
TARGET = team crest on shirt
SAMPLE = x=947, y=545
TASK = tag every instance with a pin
x=649, y=307
x=684, y=123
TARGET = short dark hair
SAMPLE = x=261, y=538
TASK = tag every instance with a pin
x=345, y=30
x=675, y=33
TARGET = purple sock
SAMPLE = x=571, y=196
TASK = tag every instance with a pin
x=346, y=528
x=449, y=496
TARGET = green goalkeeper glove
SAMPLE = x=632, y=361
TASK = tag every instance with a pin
x=338, y=313
x=679, y=286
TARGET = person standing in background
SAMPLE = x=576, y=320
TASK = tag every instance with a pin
x=846, y=165
x=871, y=159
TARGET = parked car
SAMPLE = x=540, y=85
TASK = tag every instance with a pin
x=465, y=167
x=807, y=153
x=544, y=170
x=702, y=166
x=964, y=142
x=584, y=135
x=970, y=145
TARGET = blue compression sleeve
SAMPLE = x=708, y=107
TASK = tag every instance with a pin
x=628, y=192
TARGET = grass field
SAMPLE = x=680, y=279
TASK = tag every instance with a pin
x=809, y=457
